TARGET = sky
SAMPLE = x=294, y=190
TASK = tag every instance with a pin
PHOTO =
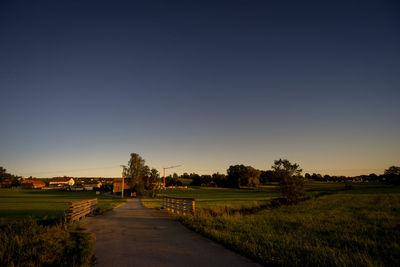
x=202, y=84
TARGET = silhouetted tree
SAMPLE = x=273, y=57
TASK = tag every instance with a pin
x=392, y=175
x=267, y=177
x=219, y=179
x=240, y=175
x=291, y=184
x=196, y=179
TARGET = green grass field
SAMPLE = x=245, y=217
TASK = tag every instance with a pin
x=17, y=204
x=216, y=198
x=357, y=227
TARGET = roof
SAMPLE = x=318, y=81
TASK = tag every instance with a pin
x=60, y=179
x=30, y=181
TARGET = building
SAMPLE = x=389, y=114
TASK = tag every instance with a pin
x=61, y=181
x=92, y=185
x=30, y=184
x=117, y=186
x=5, y=183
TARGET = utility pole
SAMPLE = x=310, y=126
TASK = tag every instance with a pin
x=123, y=177
x=166, y=169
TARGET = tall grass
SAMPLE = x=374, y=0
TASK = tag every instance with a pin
x=30, y=243
x=33, y=231
x=332, y=230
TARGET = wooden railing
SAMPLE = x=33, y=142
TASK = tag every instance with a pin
x=79, y=209
x=179, y=205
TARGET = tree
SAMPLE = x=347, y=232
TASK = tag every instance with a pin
x=4, y=176
x=137, y=173
x=267, y=177
x=219, y=179
x=2, y=171
x=291, y=184
x=152, y=180
x=240, y=175
x=392, y=175
x=316, y=177
x=196, y=179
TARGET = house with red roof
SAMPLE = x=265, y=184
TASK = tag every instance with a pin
x=30, y=184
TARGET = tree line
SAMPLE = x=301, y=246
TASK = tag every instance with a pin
x=241, y=175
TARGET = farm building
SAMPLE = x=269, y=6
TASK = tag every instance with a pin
x=5, y=183
x=29, y=183
x=61, y=181
x=92, y=185
x=117, y=186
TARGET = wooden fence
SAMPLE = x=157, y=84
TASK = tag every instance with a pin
x=79, y=209
x=179, y=205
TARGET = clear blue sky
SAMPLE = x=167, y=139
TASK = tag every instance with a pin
x=203, y=84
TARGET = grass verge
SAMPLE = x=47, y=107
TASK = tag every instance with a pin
x=357, y=227
x=31, y=243
x=333, y=230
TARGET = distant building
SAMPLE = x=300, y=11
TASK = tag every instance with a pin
x=5, y=183
x=30, y=184
x=92, y=185
x=117, y=185
x=61, y=181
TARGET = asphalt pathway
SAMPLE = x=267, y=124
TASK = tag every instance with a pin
x=132, y=235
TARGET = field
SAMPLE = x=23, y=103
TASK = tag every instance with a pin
x=33, y=232
x=215, y=198
x=359, y=227
x=17, y=204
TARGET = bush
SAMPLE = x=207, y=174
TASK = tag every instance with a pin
x=292, y=187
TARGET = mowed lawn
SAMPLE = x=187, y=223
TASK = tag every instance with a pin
x=17, y=204
x=357, y=227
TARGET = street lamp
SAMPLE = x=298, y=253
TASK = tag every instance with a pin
x=123, y=177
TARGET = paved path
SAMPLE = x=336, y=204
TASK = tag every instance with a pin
x=132, y=235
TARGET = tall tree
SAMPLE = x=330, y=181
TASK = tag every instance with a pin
x=291, y=183
x=137, y=172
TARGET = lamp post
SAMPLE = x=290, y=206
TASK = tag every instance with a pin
x=123, y=177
